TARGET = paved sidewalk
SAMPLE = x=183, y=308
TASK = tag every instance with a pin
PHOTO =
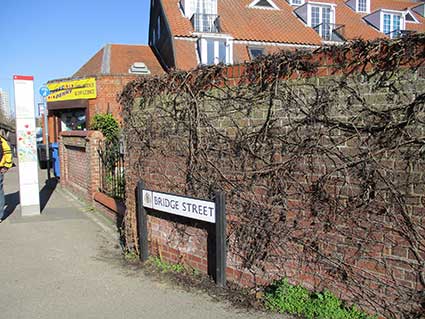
x=66, y=263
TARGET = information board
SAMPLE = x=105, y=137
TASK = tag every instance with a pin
x=26, y=145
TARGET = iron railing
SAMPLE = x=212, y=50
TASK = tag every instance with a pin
x=398, y=33
x=111, y=168
x=206, y=22
x=330, y=31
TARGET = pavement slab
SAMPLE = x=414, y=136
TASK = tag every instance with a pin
x=66, y=263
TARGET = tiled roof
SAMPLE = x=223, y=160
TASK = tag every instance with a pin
x=244, y=23
x=185, y=52
x=179, y=25
x=241, y=53
x=118, y=58
x=354, y=25
x=401, y=6
x=123, y=56
x=282, y=26
x=92, y=66
x=391, y=5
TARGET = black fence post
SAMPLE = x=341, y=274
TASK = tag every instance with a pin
x=142, y=224
x=220, y=239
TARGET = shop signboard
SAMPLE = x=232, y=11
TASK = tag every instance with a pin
x=72, y=90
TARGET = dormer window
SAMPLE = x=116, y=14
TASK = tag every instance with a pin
x=321, y=17
x=361, y=6
x=392, y=24
x=263, y=4
x=190, y=7
x=296, y=2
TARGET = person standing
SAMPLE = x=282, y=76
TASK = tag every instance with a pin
x=5, y=164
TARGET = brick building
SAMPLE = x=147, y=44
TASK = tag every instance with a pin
x=94, y=87
x=188, y=33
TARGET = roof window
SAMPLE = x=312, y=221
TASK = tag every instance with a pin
x=139, y=68
x=255, y=52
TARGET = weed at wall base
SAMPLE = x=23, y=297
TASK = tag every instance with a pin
x=296, y=300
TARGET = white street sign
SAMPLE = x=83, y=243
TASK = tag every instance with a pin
x=180, y=205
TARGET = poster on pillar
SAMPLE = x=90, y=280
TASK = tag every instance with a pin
x=26, y=145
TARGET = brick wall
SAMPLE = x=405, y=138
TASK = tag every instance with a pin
x=79, y=162
x=108, y=89
x=80, y=171
x=328, y=241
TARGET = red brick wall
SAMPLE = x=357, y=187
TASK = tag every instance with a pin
x=164, y=167
x=79, y=162
x=108, y=89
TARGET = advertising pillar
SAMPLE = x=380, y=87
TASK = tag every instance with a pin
x=26, y=145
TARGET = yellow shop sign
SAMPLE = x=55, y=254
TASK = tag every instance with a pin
x=72, y=90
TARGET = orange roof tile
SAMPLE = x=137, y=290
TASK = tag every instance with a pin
x=185, y=52
x=123, y=56
x=354, y=25
x=391, y=5
x=244, y=23
x=179, y=24
x=240, y=53
x=92, y=66
x=279, y=26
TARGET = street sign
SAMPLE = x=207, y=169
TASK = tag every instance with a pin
x=44, y=91
x=180, y=205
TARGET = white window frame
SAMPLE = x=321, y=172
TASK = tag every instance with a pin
x=321, y=5
x=367, y=6
x=291, y=2
x=412, y=15
x=203, y=48
x=392, y=13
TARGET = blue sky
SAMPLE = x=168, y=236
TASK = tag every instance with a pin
x=53, y=39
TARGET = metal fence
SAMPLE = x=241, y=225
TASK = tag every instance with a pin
x=111, y=168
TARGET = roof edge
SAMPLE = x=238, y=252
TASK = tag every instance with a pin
x=106, y=60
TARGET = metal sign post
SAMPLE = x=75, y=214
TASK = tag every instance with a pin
x=44, y=92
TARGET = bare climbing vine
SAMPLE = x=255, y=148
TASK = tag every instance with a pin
x=324, y=175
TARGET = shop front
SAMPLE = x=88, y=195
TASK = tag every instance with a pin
x=68, y=106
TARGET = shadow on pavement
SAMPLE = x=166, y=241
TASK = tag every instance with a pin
x=47, y=191
x=11, y=201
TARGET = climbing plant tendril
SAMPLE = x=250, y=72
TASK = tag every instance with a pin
x=324, y=175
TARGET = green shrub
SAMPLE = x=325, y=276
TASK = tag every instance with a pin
x=296, y=300
x=107, y=124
